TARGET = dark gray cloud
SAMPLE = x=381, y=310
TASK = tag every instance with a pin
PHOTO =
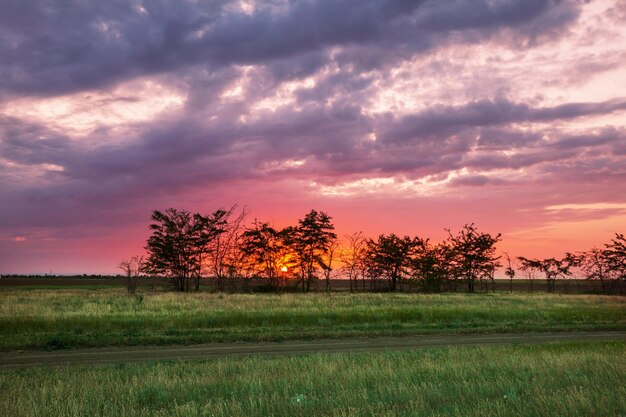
x=459, y=15
x=444, y=120
x=477, y=181
x=31, y=143
x=52, y=47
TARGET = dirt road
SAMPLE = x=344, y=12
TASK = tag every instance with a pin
x=16, y=360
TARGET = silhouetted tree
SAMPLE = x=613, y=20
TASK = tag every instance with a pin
x=430, y=266
x=389, y=258
x=594, y=266
x=327, y=261
x=607, y=265
x=309, y=241
x=262, y=246
x=353, y=258
x=552, y=268
x=509, y=271
x=178, y=242
x=224, y=258
x=175, y=246
x=529, y=269
x=132, y=269
x=615, y=257
x=473, y=255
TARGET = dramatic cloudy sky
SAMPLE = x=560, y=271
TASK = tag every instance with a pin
x=392, y=116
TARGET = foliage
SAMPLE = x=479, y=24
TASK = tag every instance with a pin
x=509, y=271
x=262, y=245
x=310, y=242
x=390, y=257
x=132, y=269
x=327, y=261
x=552, y=268
x=179, y=241
x=431, y=266
x=606, y=265
x=473, y=255
x=176, y=246
x=224, y=252
x=615, y=257
x=529, y=269
x=353, y=257
x=186, y=246
x=594, y=266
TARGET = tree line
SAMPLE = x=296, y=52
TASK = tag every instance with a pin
x=186, y=247
x=607, y=265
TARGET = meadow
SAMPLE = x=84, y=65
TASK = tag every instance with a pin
x=70, y=318
x=566, y=379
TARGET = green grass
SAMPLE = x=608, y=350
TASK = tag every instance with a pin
x=52, y=319
x=568, y=379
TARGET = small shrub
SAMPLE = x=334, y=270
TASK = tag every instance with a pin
x=153, y=396
x=55, y=343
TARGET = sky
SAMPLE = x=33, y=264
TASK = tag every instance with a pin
x=393, y=116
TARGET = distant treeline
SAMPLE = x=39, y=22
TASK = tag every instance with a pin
x=70, y=276
x=186, y=247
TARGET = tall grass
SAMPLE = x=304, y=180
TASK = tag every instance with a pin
x=75, y=318
x=545, y=380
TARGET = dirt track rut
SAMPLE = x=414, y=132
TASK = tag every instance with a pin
x=17, y=360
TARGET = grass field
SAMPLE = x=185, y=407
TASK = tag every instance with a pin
x=64, y=318
x=543, y=380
